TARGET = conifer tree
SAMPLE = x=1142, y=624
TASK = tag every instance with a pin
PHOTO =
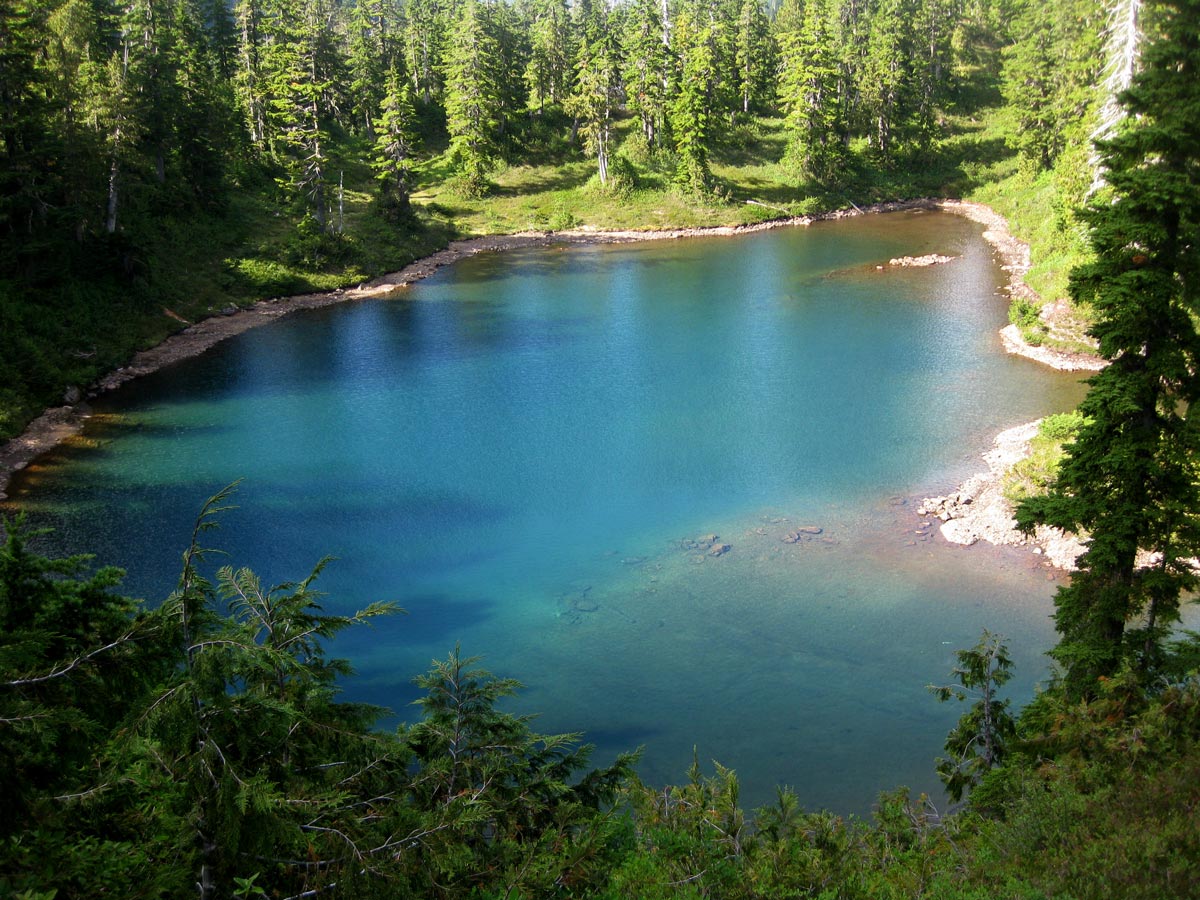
x=503, y=797
x=754, y=56
x=808, y=93
x=251, y=763
x=249, y=81
x=548, y=73
x=647, y=69
x=1129, y=481
x=296, y=115
x=67, y=648
x=204, y=128
x=885, y=77
x=850, y=28
x=395, y=143
x=150, y=64
x=724, y=90
x=933, y=58
x=25, y=117
x=426, y=26
x=220, y=27
x=116, y=112
x=75, y=71
x=979, y=741
x=597, y=94
x=473, y=97
x=512, y=46
x=789, y=17
x=1050, y=73
x=366, y=61
x=692, y=110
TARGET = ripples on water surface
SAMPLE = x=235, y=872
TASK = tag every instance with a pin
x=518, y=450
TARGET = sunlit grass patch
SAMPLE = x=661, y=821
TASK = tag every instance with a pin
x=1033, y=476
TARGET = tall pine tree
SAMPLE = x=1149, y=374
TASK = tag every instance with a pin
x=808, y=91
x=647, y=69
x=693, y=109
x=548, y=73
x=395, y=142
x=754, y=55
x=597, y=93
x=1129, y=480
x=473, y=97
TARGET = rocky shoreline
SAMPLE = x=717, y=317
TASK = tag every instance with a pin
x=60, y=423
x=979, y=511
x=1063, y=360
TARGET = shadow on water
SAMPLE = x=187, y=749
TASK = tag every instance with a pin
x=529, y=264
x=271, y=528
x=587, y=262
x=104, y=433
x=630, y=737
x=438, y=620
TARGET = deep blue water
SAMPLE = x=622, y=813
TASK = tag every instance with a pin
x=517, y=450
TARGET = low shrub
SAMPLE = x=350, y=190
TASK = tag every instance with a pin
x=1026, y=315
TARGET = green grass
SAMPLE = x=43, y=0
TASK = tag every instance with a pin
x=566, y=195
x=1039, y=207
x=1032, y=476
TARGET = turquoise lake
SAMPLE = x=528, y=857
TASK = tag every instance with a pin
x=522, y=449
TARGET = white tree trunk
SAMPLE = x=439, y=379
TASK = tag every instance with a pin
x=1123, y=48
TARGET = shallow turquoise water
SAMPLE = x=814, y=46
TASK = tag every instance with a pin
x=518, y=449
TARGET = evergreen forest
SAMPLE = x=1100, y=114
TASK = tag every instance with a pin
x=164, y=160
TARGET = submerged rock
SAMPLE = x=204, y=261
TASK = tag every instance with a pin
x=803, y=533
x=719, y=549
x=702, y=543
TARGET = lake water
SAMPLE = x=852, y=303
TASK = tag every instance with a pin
x=521, y=449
